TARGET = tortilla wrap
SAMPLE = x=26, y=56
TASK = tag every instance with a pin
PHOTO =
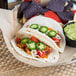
x=44, y=21
x=25, y=32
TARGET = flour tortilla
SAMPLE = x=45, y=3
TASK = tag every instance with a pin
x=52, y=58
x=44, y=21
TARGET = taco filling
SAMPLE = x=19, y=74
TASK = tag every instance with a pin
x=54, y=35
x=34, y=47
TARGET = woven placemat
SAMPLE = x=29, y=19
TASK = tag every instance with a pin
x=10, y=66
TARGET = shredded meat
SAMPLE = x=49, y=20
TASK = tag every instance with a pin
x=48, y=50
x=20, y=45
x=28, y=50
x=58, y=44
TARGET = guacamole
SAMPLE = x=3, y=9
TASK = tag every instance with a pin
x=70, y=31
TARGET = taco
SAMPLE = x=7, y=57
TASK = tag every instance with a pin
x=50, y=28
x=33, y=45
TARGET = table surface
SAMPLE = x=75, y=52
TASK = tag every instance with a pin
x=10, y=66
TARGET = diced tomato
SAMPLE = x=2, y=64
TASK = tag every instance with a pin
x=56, y=40
x=37, y=1
x=34, y=39
x=41, y=53
x=27, y=26
x=58, y=33
x=27, y=0
x=18, y=39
